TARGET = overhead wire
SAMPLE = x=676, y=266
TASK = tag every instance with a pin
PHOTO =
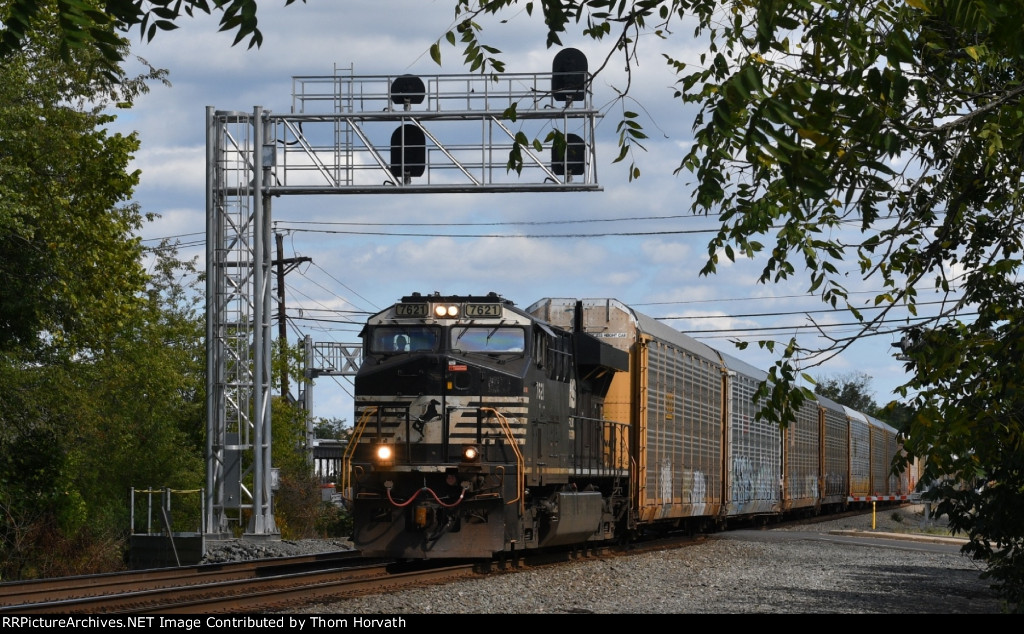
x=279, y=226
x=504, y=223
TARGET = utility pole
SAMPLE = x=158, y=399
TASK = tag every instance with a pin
x=282, y=330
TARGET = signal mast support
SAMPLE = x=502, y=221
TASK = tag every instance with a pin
x=348, y=134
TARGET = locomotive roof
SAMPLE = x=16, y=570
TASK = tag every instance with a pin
x=491, y=297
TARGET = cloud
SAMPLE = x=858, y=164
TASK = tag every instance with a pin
x=173, y=168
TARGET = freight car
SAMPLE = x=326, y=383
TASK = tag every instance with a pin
x=482, y=429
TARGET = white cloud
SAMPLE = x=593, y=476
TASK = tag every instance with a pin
x=171, y=168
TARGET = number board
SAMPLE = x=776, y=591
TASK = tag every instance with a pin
x=410, y=310
x=483, y=310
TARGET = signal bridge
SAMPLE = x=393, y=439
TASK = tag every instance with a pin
x=349, y=134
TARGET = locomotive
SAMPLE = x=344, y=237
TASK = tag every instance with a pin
x=483, y=429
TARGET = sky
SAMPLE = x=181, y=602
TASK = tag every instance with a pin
x=539, y=245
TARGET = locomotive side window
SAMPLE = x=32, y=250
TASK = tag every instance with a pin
x=552, y=353
x=561, y=352
x=385, y=339
x=488, y=339
x=540, y=348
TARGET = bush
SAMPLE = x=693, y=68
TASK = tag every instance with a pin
x=334, y=521
x=40, y=550
x=297, y=507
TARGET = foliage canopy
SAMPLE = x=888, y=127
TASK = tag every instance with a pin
x=95, y=25
x=902, y=120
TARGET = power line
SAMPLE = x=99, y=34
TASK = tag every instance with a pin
x=537, y=236
x=180, y=235
x=343, y=285
x=278, y=225
x=507, y=223
x=737, y=299
x=805, y=326
x=794, y=312
x=342, y=311
x=698, y=333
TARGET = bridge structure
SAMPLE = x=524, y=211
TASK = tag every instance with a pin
x=351, y=134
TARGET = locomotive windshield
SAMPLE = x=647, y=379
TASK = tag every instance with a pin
x=487, y=339
x=404, y=339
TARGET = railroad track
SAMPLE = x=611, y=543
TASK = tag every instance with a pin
x=252, y=586
x=78, y=587
x=266, y=585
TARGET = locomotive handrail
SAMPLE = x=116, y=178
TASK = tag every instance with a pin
x=611, y=451
x=346, y=458
x=520, y=485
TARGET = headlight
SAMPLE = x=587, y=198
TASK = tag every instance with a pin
x=446, y=310
x=471, y=453
x=384, y=453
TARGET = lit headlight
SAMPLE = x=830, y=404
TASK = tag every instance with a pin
x=470, y=453
x=446, y=310
x=384, y=453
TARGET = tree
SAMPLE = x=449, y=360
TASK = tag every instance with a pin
x=98, y=375
x=903, y=119
x=851, y=390
x=332, y=429
x=79, y=431
x=93, y=25
x=65, y=223
x=300, y=510
x=142, y=399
